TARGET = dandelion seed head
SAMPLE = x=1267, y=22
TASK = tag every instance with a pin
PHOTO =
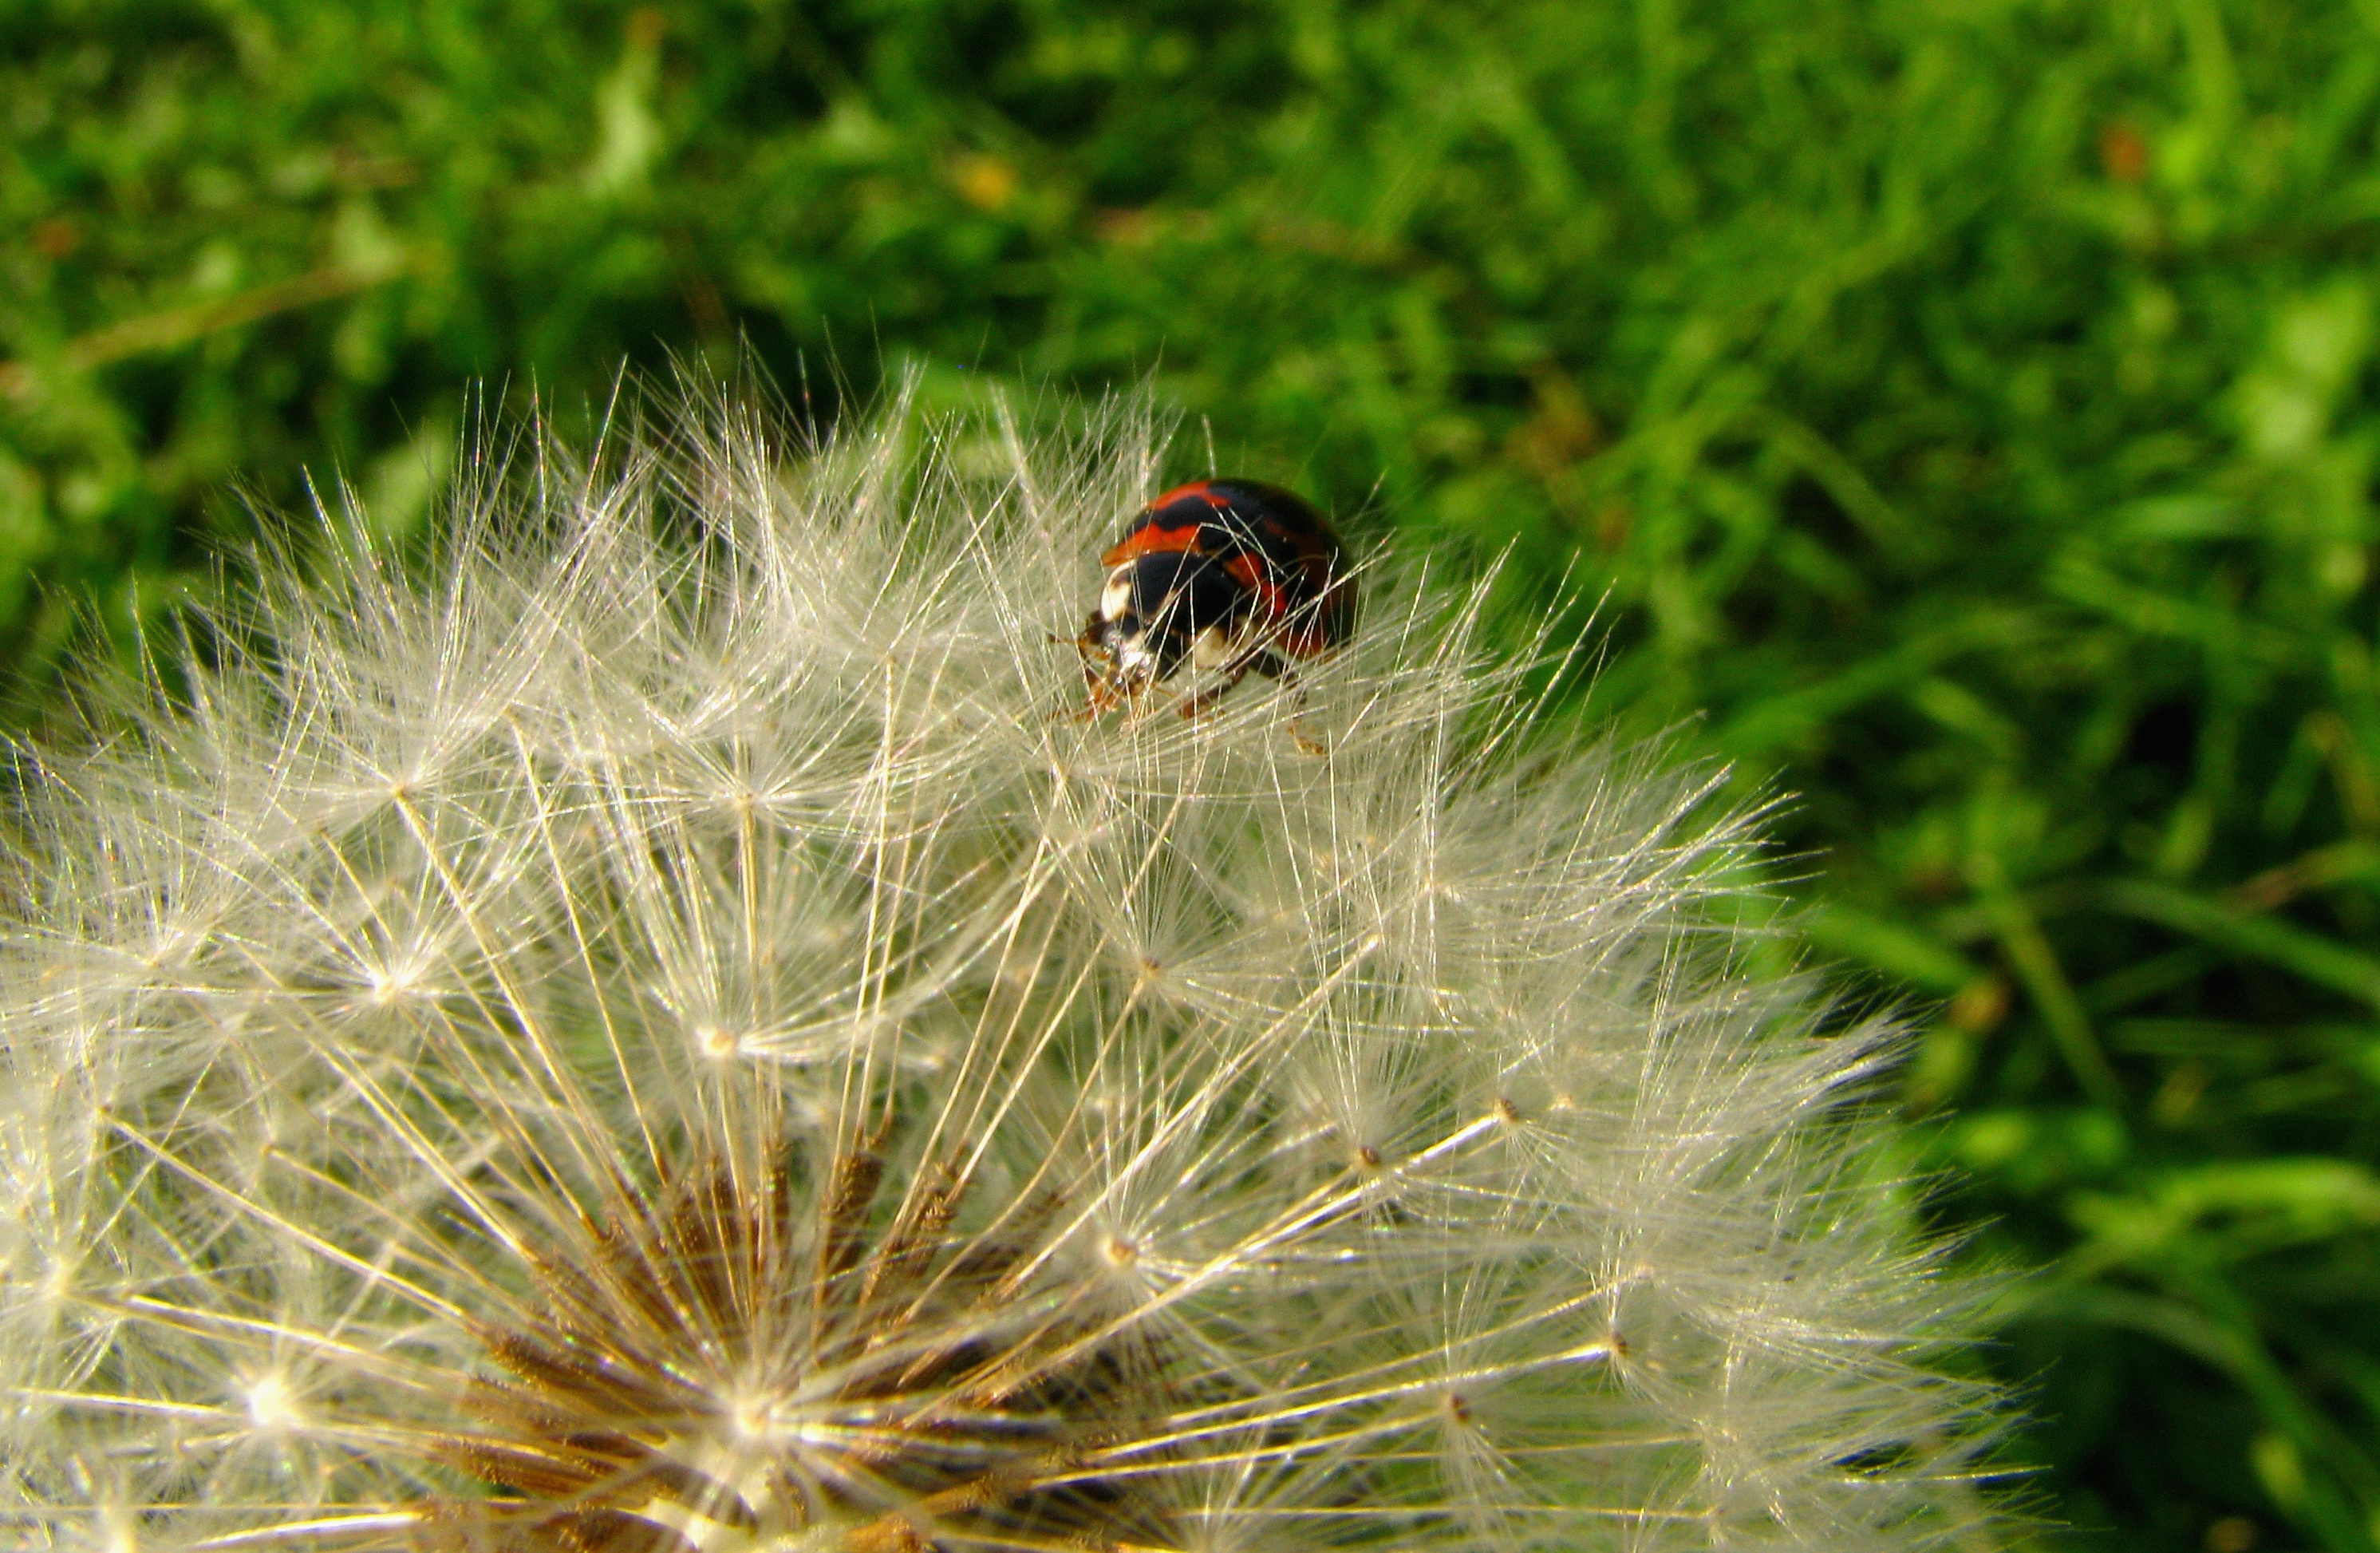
x=660, y=1027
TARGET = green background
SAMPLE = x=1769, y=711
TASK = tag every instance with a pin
x=1970, y=408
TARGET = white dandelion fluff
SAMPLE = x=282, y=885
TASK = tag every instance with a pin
x=646, y=1034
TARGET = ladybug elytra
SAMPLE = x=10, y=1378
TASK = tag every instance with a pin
x=1228, y=576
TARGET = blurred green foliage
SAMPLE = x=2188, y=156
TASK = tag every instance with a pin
x=1971, y=409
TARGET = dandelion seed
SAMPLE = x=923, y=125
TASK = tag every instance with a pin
x=650, y=1039
x=270, y=1407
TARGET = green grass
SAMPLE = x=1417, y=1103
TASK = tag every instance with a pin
x=1970, y=409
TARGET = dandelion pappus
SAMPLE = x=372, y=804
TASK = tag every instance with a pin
x=1228, y=576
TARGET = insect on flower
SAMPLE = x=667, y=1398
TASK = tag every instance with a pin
x=1228, y=576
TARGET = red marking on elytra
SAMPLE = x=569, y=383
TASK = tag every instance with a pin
x=1151, y=541
x=1202, y=489
x=1249, y=573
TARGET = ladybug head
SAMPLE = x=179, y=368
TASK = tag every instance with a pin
x=1118, y=664
x=1123, y=654
x=1151, y=611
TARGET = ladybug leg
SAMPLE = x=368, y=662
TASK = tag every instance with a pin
x=1306, y=741
x=1275, y=668
x=1100, y=694
x=1272, y=666
x=1192, y=706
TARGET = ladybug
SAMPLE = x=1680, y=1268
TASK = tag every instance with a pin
x=1228, y=576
